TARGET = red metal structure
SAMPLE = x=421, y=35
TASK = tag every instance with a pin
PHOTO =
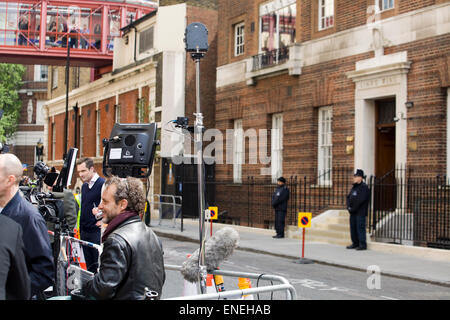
x=39, y=31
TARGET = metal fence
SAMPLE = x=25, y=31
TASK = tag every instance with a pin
x=249, y=202
x=403, y=208
x=410, y=210
x=283, y=286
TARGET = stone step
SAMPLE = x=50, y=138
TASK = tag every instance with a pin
x=343, y=213
x=341, y=242
x=333, y=227
x=320, y=233
x=338, y=220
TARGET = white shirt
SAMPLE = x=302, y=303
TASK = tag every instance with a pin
x=92, y=182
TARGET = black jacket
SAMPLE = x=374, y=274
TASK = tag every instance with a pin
x=280, y=198
x=14, y=279
x=132, y=259
x=38, y=253
x=358, y=199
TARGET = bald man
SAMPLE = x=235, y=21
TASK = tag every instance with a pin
x=38, y=253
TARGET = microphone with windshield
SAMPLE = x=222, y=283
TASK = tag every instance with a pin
x=217, y=248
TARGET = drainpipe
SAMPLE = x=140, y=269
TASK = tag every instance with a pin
x=135, y=42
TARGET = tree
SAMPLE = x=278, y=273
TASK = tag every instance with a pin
x=10, y=83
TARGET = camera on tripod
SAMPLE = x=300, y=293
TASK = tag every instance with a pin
x=50, y=204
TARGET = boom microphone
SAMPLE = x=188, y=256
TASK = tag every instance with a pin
x=217, y=248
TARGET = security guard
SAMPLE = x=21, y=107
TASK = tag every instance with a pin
x=357, y=206
x=279, y=202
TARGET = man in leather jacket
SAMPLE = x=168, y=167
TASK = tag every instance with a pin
x=357, y=206
x=132, y=257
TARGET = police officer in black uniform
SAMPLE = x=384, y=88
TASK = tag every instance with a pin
x=279, y=202
x=357, y=206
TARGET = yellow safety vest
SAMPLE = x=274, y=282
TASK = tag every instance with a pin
x=77, y=226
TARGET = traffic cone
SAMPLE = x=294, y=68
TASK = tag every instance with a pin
x=210, y=288
x=190, y=288
x=244, y=283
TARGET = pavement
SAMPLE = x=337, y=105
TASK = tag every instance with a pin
x=407, y=262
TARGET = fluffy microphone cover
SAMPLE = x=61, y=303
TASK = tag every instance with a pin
x=217, y=248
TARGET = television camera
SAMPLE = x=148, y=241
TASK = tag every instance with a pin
x=50, y=204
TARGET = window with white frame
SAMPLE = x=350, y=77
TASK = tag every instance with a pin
x=326, y=14
x=238, y=151
x=277, y=146
x=239, y=38
x=117, y=113
x=40, y=72
x=325, y=145
x=385, y=4
x=97, y=136
x=277, y=24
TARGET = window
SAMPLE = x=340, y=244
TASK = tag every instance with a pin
x=277, y=25
x=117, y=113
x=54, y=77
x=146, y=40
x=142, y=111
x=385, y=4
x=97, y=138
x=277, y=146
x=326, y=14
x=238, y=151
x=40, y=73
x=239, y=39
x=325, y=145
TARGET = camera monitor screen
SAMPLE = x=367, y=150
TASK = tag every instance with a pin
x=65, y=177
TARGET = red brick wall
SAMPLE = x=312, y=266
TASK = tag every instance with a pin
x=127, y=103
x=59, y=142
x=107, y=116
x=348, y=14
x=89, y=130
x=327, y=84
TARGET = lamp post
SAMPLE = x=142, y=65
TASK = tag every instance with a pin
x=66, y=120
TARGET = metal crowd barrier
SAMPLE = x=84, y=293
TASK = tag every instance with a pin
x=291, y=294
x=174, y=208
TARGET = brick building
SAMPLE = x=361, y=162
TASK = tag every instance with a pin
x=30, y=129
x=151, y=80
x=354, y=84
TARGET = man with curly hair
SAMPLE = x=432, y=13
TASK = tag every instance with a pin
x=132, y=257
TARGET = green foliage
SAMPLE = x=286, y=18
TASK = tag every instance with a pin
x=10, y=83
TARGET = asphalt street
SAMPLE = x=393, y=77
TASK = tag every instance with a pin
x=311, y=281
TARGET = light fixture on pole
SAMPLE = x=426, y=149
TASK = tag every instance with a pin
x=196, y=39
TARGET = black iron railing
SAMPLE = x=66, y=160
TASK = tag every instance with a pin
x=402, y=209
x=410, y=210
x=270, y=58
